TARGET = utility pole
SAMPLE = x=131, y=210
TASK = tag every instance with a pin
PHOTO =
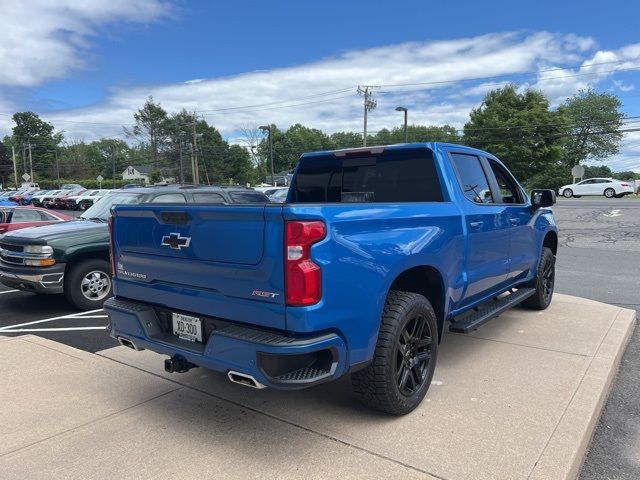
x=113, y=166
x=181, y=165
x=369, y=104
x=30, y=163
x=196, y=174
x=15, y=171
x=55, y=150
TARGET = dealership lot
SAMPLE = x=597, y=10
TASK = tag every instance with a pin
x=600, y=247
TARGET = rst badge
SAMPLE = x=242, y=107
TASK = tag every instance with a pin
x=260, y=293
x=175, y=241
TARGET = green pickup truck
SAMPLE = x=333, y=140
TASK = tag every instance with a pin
x=73, y=257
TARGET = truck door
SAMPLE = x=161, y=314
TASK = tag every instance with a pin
x=488, y=231
x=523, y=251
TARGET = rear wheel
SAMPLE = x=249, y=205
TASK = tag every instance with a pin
x=609, y=193
x=567, y=193
x=88, y=284
x=543, y=283
x=400, y=374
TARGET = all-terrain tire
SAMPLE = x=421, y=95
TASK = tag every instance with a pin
x=379, y=385
x=543, y=283
x=87, y=284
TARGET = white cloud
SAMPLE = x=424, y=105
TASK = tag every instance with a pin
x=458, y=60
x=452, y=73
x=44, y=39
x=629, y=156
x=559, y=85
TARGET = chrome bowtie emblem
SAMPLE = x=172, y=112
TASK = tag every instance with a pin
x=175, y=241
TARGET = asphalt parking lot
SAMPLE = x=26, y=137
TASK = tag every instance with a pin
x=598, y=258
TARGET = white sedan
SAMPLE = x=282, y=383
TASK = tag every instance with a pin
x=608, y=187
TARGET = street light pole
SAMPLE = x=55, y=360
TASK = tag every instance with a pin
x=268, y=129
x=404, y=109
x=55, y=150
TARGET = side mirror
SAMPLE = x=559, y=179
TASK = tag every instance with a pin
x=542, y=198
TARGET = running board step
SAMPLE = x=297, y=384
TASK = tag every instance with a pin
x=493, y=309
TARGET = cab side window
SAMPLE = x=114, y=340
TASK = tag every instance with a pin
x=169, y=198
x=471, y=177
x=509, y=190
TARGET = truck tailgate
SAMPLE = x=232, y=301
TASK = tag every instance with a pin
x=223, y=261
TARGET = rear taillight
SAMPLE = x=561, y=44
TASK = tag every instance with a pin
x=111, y=252
x=303, y=278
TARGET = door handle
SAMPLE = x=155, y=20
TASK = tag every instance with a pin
x=513, y=221
x=476, y=225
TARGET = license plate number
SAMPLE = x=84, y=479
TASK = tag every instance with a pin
x=187, y=328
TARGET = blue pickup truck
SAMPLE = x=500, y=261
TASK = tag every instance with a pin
x=358, y=272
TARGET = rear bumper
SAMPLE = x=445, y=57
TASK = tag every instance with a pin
x=33, y=279
x=273, y=359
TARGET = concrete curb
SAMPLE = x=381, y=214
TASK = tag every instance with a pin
x=599, y=377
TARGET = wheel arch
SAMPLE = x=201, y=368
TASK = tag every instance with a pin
x=551, y=241
x=87, y=255
x=427, y=281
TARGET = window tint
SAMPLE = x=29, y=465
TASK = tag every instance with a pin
x=248, y=197
x=509, y=190
x=472, y=178
x=208, y=197
x=26, y=216
x=169, y=198
x=392, y=176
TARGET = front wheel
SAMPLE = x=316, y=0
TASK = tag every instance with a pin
x=609, y=193
x=400, y=374
x=88, y=284
x=543, y=283
x=567, y=193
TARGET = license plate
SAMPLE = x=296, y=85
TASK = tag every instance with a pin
x=187, y=328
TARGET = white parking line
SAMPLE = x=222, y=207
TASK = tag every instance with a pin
x=61, y=317
x=9, y=291
x=69, y=329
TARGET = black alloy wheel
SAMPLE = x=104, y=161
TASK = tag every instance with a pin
x=413, y=353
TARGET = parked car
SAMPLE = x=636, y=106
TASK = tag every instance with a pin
x=86, y=199
x=61, y=202
x=37, y=199
x=279, y=196
x=76, y=253
x=608, y=187
x=5, y=198
x=24, y=198
x=50, y=200
x=374, y=252
x=14, y=218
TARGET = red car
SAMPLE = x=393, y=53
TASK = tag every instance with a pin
x=13, y=218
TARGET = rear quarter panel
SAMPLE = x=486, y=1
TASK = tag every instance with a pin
x=367, y=246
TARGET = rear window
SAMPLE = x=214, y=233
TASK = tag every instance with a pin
x=248, y=197
x=392, y=176
x=208, y=197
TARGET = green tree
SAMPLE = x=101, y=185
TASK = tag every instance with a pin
x=594, y=126
x=416, y=133
x=627, y=175
x=597, y=171
x=110, y=153
x=6, y=167
x=237, y=167
x=151, y=128
x=519, y=129
x=346, y=139
x=155, y=176
x=31, y=131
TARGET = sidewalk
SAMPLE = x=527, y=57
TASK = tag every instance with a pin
x=519, y=398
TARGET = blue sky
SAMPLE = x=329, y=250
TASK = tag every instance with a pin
x=86, y=65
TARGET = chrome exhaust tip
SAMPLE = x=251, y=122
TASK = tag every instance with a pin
x=125, y=342
x=244, y=379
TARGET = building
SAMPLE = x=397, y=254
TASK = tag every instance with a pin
x=141, y=174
